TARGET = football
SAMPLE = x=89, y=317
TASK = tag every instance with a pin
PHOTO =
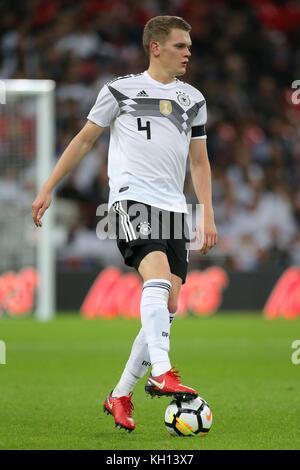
x=188, y=418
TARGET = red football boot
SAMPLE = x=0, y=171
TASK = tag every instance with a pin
x=168, y=384
x=121, y=409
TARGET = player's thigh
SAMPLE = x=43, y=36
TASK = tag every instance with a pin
x=155, y=265
x=176, y=282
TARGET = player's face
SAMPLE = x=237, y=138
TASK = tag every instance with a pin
x=175, y=52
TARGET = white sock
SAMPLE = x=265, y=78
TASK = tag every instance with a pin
x=156, y=323
x=137, y=365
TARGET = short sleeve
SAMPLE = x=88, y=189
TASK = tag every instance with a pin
x=198, y=125
x=105, y=110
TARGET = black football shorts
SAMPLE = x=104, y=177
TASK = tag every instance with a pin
x=141, y=229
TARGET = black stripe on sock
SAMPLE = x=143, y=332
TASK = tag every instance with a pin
x=164, y=286
x=158, y=284
x=161, y=287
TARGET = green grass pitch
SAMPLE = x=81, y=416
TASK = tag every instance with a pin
x=57, y=375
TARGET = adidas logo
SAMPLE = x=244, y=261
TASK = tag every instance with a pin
x=142, y=93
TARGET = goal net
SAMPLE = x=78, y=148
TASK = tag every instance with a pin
x=26, y=158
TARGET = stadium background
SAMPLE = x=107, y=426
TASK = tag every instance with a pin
x=245, y=59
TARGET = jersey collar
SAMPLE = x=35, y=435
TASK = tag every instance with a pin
x=159, y=84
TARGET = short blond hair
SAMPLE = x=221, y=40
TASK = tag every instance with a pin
x=159, y=28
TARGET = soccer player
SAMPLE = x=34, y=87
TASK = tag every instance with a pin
x=156, y=121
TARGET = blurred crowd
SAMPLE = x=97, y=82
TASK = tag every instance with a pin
x=245, y=60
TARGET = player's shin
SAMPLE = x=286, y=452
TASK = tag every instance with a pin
x=156, y=323
x=137, y=365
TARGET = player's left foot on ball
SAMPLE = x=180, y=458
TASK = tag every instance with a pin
x=168, y=384
x=121, y=409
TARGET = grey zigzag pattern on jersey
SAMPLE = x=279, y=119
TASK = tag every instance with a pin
x=140, y=107
x=123, y=77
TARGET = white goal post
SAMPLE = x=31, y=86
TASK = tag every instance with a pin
x=40, y=94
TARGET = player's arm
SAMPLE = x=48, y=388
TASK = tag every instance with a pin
x=73, y=154
x=201, y=177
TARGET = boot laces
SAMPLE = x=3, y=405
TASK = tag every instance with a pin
x=126, y=404
x=175, y=374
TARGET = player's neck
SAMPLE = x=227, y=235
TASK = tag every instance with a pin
x=160, y=75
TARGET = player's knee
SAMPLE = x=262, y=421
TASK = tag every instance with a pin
x=155, y=265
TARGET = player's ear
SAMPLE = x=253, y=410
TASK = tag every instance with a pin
x=154, y=48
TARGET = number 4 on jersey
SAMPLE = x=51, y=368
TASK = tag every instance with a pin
x=144, y=128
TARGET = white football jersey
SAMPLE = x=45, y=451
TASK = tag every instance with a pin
x=151, y=126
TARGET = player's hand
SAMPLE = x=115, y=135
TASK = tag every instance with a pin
x=208, y=234
x=39, y=206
